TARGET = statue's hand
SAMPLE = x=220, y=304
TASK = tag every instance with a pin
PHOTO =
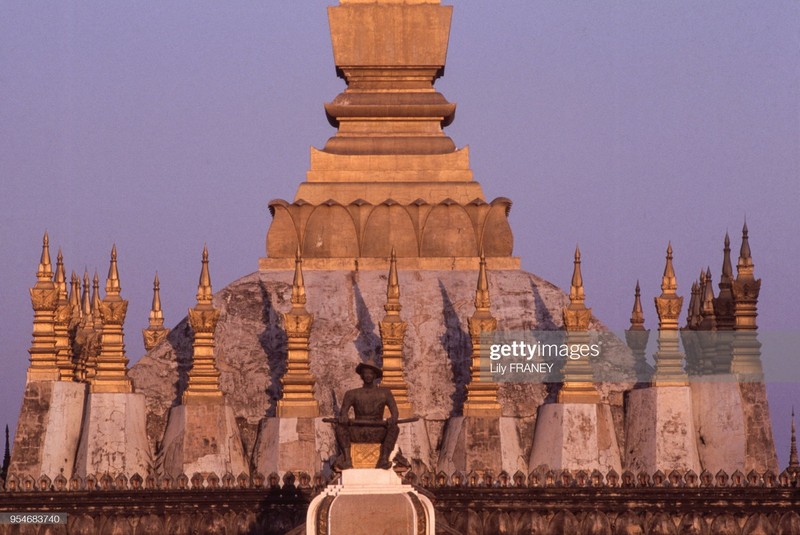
x=390, y=421
x=343, y=420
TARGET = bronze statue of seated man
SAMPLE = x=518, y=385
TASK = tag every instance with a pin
x=368, y=427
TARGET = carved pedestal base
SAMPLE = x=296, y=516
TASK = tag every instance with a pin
x=48, y=430
x=370, y=501
x=293, y=444
x=203, y=438
x=481, y=443
x=575, y=436
x=113, y=438
x=659, y=430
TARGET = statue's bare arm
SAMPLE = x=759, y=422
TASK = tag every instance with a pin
x=344, y=411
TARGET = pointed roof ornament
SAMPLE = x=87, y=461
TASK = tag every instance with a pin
x=727, y=269
x=204, y=292
x=156, y=316
x=61, y=277
x=745, y=264
x=98, y=320
x=794, y=462
x=75, y=295
x=708, y=294
x=393, y=285
x=6, y=457
x=668, y=282
x=695, y=305
x=637, y=314
x=45, y=271
x=298, y=284
x=112, y=282
x=576, y=294
x=482, y=292
x=86, y=300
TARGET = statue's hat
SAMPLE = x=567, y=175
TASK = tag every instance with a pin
x=370, y=363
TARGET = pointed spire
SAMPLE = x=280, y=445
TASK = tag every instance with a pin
x=204, y=292
x=6, y=457
x=75, y=295
x=794, y=462
x=61, y=277
x=637, y=314
x=576, y=295
x=744, y=267
x=298, y=284
x=98, y=321
x=86, y=300
x=727, y=269
x=694, y=313
x=668, y=282
x=708, y=295
x=482, y=292
x=393, y=285
x=156, y=316
x=45, y=271
x=112, y=282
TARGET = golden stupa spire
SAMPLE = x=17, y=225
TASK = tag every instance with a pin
x=75, y=297
x=298, y=284
x=63, y=318
x=204, y=375
x=727, y=269
x=669, y=282
x=708, y=296
x=86, y=300
x=155, y=331
x=578, y=384
x=745, y=264
x=298, y=383
x=637, y=314
x=576, y=294
x=669, y=359
x=98, y=320
x=204, y=291
x=44, y=300
x=482, y=292
x=393, y=330
x=481, y=390
x=112, y=282
x=45, y=271
x=111, y=374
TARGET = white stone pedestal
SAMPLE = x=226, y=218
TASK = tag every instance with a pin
x=293, y=444
x=575, y=436
x=659, y=430
x=203, y=437
x=368, y=502
x=48, y=431
x=114, y=437
x=481, y=443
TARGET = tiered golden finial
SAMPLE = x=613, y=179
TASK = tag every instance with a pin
x=746, y=347
x=63, y=318
x=75, y=300
x=155, y=331
x=44, y=299
x=636, y=337
x=481, y=390
x=204, y=375
x=669, y=359
x=393, y=330
x=794, y=462
x=111, y=374
x=578, y=383
x=298, y=382
x=96, y=316
x=723, y=304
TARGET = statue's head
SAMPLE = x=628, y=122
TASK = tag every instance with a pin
x=369, y=364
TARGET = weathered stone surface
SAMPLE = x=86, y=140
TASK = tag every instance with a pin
x=415, y=445
x=660, y=433
x=347, y=306
x=48, y=429
x=575, y=436
x=719, y=422
x=113, y=437
x=481, y=443
x=203, y=438
x=293, y=444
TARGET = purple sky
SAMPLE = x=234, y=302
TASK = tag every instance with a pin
x=616, y=125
